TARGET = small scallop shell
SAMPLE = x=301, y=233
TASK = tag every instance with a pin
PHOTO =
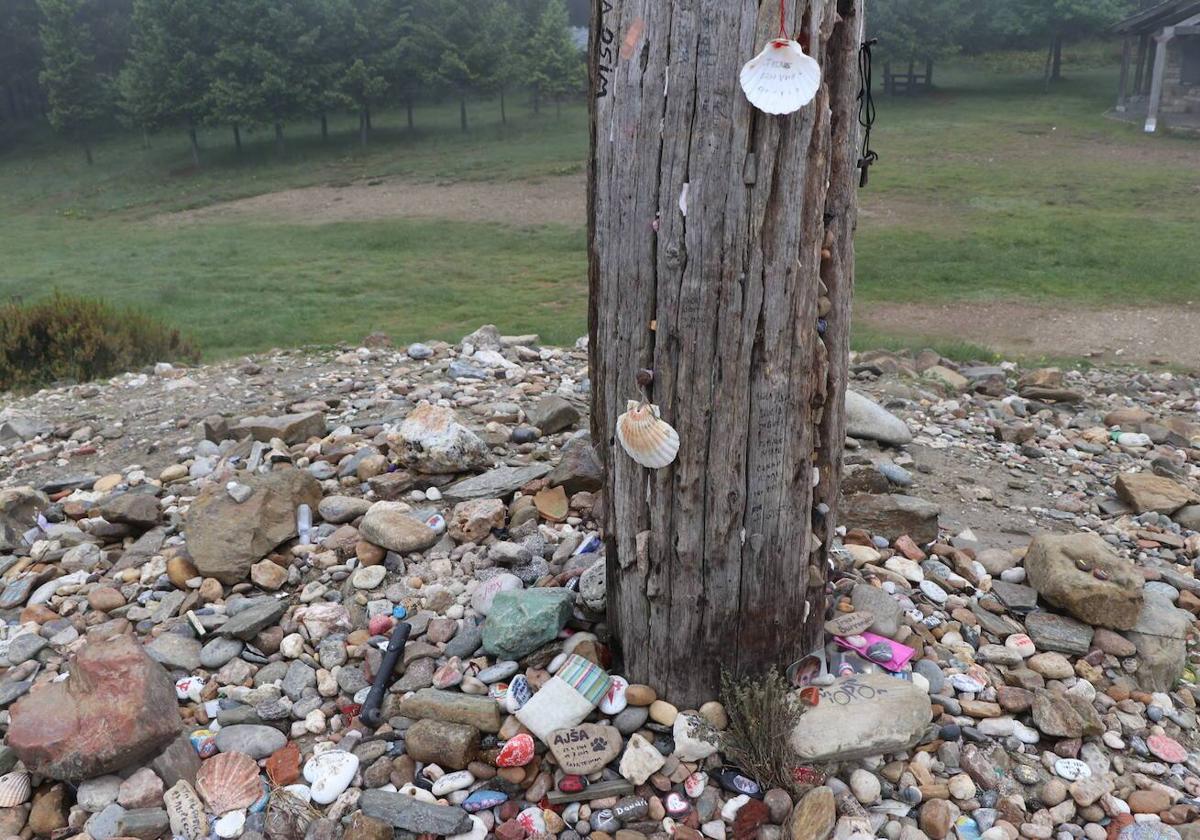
x=229, y=782
x=14, y=789
x=646, y=437
x=781, y=79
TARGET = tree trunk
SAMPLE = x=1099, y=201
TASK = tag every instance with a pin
x=929, y=74
x=324, y=127
x=537, y=100
x=87, y=150
x=362, y=128
x=279, y=137
x=718, y=561
x=145, y=137
x=1056, y=71
x=503, y=111
x=367, y=114
x=237, y=138
x=195, y=145
x=462, y=113
x=1049, y=63
x=408, y=106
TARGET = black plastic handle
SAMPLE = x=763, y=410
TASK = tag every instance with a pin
x=371, y=710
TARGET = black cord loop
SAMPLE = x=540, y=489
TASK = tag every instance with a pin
x=866, y=109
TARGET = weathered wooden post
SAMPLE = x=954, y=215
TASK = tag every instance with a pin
x=722, y=259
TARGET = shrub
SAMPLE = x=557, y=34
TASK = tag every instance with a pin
x=762, y=714
x=79, y=339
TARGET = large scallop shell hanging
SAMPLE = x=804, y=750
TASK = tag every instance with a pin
x=646, y=437
x=781, y=79
x=14, y=789
x=229, y=782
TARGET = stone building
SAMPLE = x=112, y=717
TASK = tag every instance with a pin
x=1160, y=68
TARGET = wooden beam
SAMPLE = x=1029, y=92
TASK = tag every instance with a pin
x=1156, y=85
x=1123, y=90
x=1192, y=29
x=1140, y=66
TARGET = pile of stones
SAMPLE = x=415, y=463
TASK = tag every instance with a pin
x=188, y=646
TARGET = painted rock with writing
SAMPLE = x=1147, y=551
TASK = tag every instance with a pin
x=532, y=821
x=185, y=812
x=330, y=773
x=677, y=805
x=850, y=624
x=585, y=749
x=517, y=752
x=519, y=693
x=484, y=800
x=614, y=701
x=736, y=781
x=694, y=784
x=1072, y=769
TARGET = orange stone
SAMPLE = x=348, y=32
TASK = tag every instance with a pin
x=283, y=766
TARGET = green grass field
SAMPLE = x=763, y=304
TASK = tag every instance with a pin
x=987, y=189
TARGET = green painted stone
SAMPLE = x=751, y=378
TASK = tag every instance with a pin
x=522, y=621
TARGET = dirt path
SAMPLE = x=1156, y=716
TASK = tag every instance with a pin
x=553, y=200
x=1157, y=335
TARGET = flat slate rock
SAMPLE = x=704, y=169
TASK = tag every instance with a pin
x=246, y=624
x=408, y=813
x=1015, y=596
x=1058, y=633
x=494, y=484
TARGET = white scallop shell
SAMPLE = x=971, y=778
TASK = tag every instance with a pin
x=14, y=789
x=781, y=79
x=646, y=437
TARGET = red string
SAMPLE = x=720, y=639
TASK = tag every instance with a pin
x=783, y=19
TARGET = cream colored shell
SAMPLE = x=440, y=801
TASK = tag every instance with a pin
x=781, y=79
x=646, y=437
x=14, y=789
x=229, y=782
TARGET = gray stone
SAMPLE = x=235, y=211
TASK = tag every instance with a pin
x=341, y=509
x=176, y=652
x=262, y=614
x=466, y=641
x=408, y=813
x=892, y=516
x=1015, y=596
x=578, y=467
x=219, y=651
x=884, y=607
x=1160, y=637
x=255, y=741
x=105, y=825
x=290, y=428
x=867, y=420
x=25, y=647
x=1058, y=633
x=299, y=677
x=143, y=823
x=499, y=483
x=552, y=414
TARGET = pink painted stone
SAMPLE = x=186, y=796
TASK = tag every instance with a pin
x=1168, y=749
x=380, y=625
x=677, y=805
x=694, y=784
x=517, y=752
x=572, y=784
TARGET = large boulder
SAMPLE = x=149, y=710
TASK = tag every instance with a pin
x=225, y=538
x=116, y=708
x=868, y=420
x=891, y=516
x=1081, y=574
x=1160, y=636
x=1148, y=492
x=862, y=715
x=19, y=507
x=431, y=440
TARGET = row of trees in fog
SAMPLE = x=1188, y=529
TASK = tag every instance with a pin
x=163, y=64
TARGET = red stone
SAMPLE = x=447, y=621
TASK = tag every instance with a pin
x=116, y=709
x=510, y=830
x=749, y=817
x=380, y=625
x=1166, y=748
x=908, y=548
x=572, y=784
x=283, y=767
x=517, y=752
